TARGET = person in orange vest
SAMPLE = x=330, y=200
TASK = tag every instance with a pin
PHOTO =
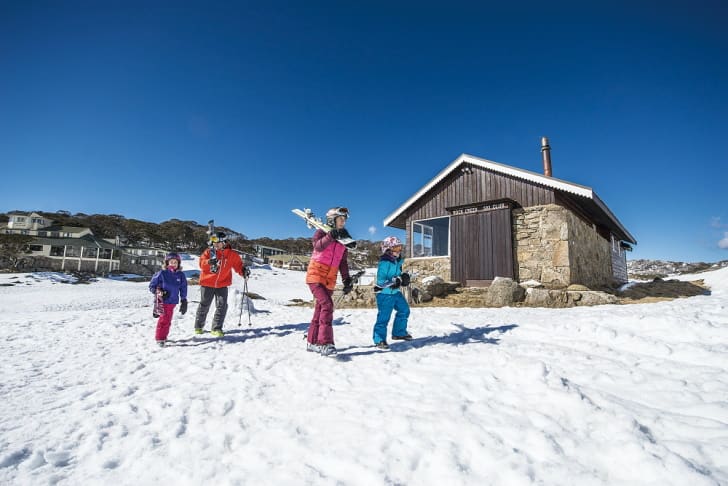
x=328, y=259
x=215, y=278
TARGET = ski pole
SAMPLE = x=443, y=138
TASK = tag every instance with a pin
x=245, y=289
x=244, y=301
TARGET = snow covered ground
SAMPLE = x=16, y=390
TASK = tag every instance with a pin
x=632, y=394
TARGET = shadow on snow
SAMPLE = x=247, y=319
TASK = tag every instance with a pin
x=465, y=335
x=239, y=335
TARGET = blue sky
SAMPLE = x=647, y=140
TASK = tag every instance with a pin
x=241, y=111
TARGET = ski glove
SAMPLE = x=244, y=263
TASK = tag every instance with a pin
x=339, y=234
x=405, y=279
x=163, y=293
x=183, y=307
x=246, y=272
x=396, y=282
x=348, y=285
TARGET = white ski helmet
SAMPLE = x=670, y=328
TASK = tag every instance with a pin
x=334, y=213
x=390, y=242
x=218, y=237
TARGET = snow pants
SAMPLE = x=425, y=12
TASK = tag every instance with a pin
x=320, y=331
x=206, y=295
x=386, y=303
x=164, y=322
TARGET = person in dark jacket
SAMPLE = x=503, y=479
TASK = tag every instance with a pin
x=171, y=285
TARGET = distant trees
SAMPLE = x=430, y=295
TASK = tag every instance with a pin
x=175, y=234
x=172, y=235
x=14, y=249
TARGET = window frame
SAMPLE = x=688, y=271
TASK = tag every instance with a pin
x=414, y=241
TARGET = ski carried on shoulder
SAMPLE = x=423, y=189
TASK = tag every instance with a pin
x=314, y=222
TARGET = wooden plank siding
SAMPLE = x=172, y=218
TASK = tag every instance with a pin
x=457, y=190
x=485, y=250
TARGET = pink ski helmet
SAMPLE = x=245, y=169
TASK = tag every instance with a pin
x=389, y=243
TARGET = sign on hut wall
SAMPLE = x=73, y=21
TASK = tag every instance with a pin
x=479, y=208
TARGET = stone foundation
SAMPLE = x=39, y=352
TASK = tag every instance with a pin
x=425, y=267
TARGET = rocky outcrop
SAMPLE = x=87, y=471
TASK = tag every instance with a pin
x=536, y=297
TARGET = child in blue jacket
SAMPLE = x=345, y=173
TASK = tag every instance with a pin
x=389, y=297
x=171, y=284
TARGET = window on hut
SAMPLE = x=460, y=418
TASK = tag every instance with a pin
x=430, y=237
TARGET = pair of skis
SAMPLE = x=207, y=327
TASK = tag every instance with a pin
x=158, y=308
x=314, y=222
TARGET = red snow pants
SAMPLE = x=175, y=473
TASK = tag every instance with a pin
x=320, y=330
x=164, y=322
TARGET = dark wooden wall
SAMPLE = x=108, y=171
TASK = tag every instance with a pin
x=460, y=189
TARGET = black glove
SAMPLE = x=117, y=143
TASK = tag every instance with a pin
x=183, y=307
x=396, y=282
x=165, y=294
x=339, y=234
x=348, y=285
x=405, y=279
x=246, y=272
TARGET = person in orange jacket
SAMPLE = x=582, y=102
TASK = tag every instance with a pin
x=215, y=278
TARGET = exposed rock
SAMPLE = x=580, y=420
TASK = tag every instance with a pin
x=503, y=292
x=593, y=298
x=434, y=285
x=578, y=288
x=547, y=298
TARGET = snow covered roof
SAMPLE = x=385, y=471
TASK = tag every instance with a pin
x=86, y=240
x=527, y=175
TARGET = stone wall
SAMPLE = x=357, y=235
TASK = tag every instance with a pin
x=557, y=248
x=424, y=267
x=541, y=244
x=590, y=256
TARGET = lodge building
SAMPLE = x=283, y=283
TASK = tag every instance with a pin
x=479, y=219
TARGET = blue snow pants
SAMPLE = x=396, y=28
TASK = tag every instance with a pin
x=386, y=303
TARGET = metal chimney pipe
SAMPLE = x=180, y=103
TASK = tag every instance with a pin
x=546, y=155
